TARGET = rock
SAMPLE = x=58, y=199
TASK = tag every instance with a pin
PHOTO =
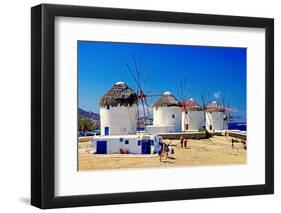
x=84, y=145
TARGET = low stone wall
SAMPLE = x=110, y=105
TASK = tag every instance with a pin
x=188, y=135
x=84, y=147
x=238, y=135
x=232, y=134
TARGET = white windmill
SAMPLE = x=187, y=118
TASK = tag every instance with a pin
x=192, y=113
x=118, y=110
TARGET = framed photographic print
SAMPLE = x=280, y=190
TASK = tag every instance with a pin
x=141, y=106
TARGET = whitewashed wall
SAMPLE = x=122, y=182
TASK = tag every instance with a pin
x=121, y=120
x=194, y=120
x=163, y=116
x=216, y=120
x=114, y=145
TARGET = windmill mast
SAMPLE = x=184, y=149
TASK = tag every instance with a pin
x=204, y=99
x=182, y=94
x=142, y=97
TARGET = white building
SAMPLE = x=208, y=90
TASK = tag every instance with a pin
x=126, y=144
x=192, y=116
x=118, y=111
x=166, y=115
x=216, y=119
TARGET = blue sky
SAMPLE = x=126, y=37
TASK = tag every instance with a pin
x=220, y=69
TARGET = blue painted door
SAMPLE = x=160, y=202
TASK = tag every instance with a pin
x=145, y=147
x=106, y=130
x=101, y=147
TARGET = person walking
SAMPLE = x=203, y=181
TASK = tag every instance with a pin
x=181, y=139
x=164, y=152
x=185, y=143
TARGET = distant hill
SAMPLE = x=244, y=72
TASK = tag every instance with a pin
x=95, y=117
x=88, y=114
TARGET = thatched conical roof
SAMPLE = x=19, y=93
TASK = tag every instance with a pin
x=193, y=105
x=167, y=100
x=119, y=95
x=214, y=107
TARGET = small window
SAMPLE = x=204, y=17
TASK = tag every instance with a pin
x=107, y=106
x=126, y=141
x=139, y=142
x=173, y=115
x=121, y=140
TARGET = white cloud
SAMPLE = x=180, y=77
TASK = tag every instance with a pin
x=217, y=94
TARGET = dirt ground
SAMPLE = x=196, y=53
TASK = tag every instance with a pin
x=214, y=151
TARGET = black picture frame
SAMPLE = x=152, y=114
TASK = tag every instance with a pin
x=43, y=117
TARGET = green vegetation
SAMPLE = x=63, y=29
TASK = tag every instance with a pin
x=85, y=124
x=201, y=130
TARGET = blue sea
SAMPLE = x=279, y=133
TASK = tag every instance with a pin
x=242, y=126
